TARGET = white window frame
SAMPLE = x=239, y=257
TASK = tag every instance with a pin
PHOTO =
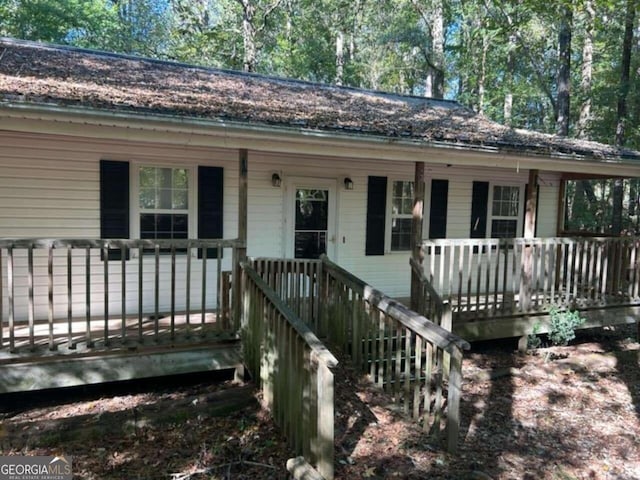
x=518, y=218
x=134, y=199
x=426, y=207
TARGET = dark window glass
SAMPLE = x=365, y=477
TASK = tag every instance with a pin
x=401, y=234
x=504, y=228
x=310, y=244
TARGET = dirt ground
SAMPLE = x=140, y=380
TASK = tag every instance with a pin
x=564, y=413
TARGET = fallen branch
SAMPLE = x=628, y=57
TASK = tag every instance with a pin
x=204, y=471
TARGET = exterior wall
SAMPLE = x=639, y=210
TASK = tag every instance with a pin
x=49, y=187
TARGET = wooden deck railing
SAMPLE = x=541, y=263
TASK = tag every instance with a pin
x=430, y=303
x=292, y=366
x=507, y=277
x=296, y=281
x=402, y=351
x=62, y=292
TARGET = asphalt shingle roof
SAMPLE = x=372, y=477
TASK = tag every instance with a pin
x=62, y=76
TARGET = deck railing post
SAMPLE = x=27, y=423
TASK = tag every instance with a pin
x=453, y=400
x=1, y=303
x=240, y=253
x=325, y=421
x=31, y=312
x=52, y=345
x=11, y=299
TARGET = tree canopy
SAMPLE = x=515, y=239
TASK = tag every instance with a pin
x=550, y=67
x=569, y=67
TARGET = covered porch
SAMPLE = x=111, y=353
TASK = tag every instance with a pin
x=509, y=285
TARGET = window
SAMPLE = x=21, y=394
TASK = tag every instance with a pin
x=163, y=200
x=160, y=202
x=401, y=215
x=390, y=213
x=505, y=211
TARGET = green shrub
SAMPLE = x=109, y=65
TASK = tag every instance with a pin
x=533, y=340
x=563, y=325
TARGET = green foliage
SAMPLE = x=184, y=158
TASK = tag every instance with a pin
x=493, y=50
x=77, y=22
x=563, y=325
x=533, y=340
x=589, y=206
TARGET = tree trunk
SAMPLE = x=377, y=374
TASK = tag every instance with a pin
x=248, y=36
x=339, y=58
x=508, y=97
x=624, y=73
x=564, y=72
x=618, y=185
x=483, y=75
x=587, y=71
x=435, y=76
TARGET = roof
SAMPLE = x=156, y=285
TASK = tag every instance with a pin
x=40, y=74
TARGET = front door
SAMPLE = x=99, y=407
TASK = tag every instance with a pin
x=312, y=218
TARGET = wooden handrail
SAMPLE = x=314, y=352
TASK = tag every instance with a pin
x=294, y=371
x=421, y=325
x=418, y=270
x=481, y=242
x=319, y=352
x=121, y=300
x=115, y=243
x=403, y=352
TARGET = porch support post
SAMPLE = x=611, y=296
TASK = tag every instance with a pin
x=241, y=251
x=531, y=206
x=417, y=253
x=529, y=232
x=561, y=207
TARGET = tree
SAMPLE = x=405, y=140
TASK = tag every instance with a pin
x=623, y=92
x=90, y=23
x=432, y=14
x=255, y=14
x=564, y=70
x=584, y=119
x=205, y=32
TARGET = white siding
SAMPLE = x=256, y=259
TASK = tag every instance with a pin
x=49, y=187
x=548, y=204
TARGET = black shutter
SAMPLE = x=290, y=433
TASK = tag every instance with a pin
x=114, y=202
x=479, y=204
x=376, y=209
x=438, y=213
x=210, y=202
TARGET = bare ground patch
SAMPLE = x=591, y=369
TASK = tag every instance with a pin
x=562, y=413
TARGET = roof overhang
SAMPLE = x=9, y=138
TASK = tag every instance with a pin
x=189, y=131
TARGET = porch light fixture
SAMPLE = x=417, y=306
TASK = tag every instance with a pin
x=276, y=181
x=348, y=184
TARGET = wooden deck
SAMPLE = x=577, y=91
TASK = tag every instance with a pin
x=501, y=288
x=153, y=348
x=70, y=315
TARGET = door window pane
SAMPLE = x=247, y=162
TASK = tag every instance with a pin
x=310, y=244
x=311, y=223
